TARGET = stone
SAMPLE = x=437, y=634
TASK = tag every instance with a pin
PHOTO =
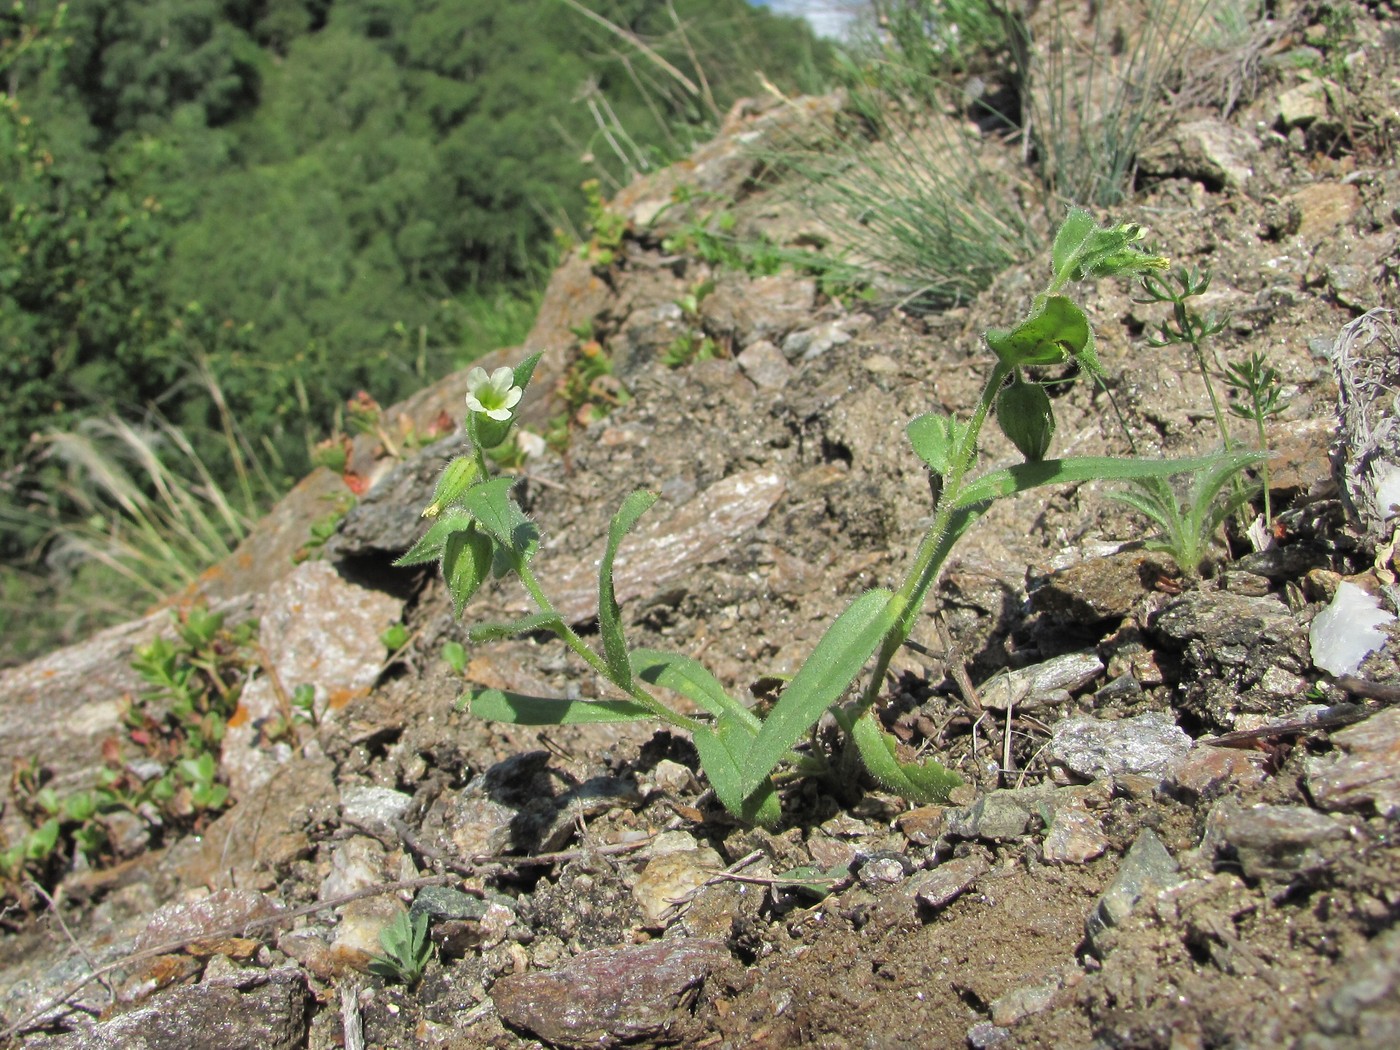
x=371, y=806
x=1093, y=748
x=808, y=344
x=1323, y=207
x=609, y=997
x=1074, y=836
x=765, y=365
x=1021, y=1002
x=1302, y=105
x=1089, y=592
x=208, y=916
x=984, y=1035
x=759, y=308
x=272, y=1013
x=1213, y=151
x=1147, y=869
x=1367, y=769
x=318, y=629
x=666, y=550
x=356, y=864
x=1275, y=843
x=1232, y=648
x=668, y=882
x=1027, y=687
x=940, y=886
x=1205, y=772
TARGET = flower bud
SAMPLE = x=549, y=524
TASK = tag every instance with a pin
x=1026, y=417
x=456, y=478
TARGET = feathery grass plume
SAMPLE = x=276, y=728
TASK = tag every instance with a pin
x=147, y=506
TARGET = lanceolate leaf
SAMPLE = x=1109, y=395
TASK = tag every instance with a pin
x=497, y=705
x=717, y=749
x=429, y=547
x=921, y=782
x=609, y=613
x=828, y=673
x=683, y=675
x=491, y=504
x=1026, y=476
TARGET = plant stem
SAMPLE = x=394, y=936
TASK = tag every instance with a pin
x=933, y=549
x=579, y=646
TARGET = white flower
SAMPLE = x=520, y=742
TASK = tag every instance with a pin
x=495, y=395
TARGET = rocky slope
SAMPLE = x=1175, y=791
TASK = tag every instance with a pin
x=1176, y=832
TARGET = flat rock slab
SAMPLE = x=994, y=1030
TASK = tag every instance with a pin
x=1368, y=771
x=1146, y=745
x=271, y=1014
x=607, y=998
x=665, y=551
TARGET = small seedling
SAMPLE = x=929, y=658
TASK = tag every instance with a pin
x=479, y=531
x=407, y=950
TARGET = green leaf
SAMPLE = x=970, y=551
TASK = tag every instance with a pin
x=1025, y=476
x=921, y=782
x=683, y=675
x=1055, y=331
x=429, y=547
x=496, y=705
x=540, y=621
x=936, y=439
x=526, y=370
x=717, y=750
x=454, y=654
x=499, y=515
x=1070, y=240
x=827, y=673
x=609, y=613
x=466, y=559
x=812, y=881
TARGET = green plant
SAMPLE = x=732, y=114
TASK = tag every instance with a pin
x=478, y=530
x=1189, y=520
x=1085, y=108
x=454, y=654
x=926, y=215
x=192, y=687
x=606, y=228
x=407, y=950
x=1261, y=397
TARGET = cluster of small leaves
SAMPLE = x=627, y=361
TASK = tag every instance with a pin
x=407, y=949
x=176, y=726
x=606, y=228
x=587, y=389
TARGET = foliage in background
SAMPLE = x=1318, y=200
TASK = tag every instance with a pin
x=310, y=197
